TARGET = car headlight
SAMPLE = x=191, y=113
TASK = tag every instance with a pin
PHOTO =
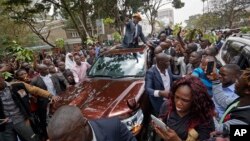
x=134, y=123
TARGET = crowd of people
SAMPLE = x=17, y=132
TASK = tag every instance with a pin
x=194, y=96
x=25, y=98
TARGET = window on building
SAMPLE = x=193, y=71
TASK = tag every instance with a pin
x=74, y=34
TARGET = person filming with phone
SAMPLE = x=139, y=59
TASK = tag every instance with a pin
x=206, y=72
x=188, y=115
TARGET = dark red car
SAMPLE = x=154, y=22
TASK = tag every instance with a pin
x=115, y=88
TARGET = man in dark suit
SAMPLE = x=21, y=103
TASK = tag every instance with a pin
x=158, y=81
x=68, y=124
x=50, y=83
x=133, y=32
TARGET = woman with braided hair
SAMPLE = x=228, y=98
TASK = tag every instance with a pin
x=188, y=112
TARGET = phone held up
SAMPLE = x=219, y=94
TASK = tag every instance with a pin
x=210, y=67
x=159, y=123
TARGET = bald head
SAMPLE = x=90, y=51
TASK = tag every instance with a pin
x=166, y=44
x=162, y=61
x=158, y=50
x=162, y=56
x=163, y=45
x=67, y=124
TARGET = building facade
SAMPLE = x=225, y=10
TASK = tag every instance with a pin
x=166, y=16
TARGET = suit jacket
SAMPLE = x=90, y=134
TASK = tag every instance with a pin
x=129, y=34
x=111, y=129
x=38, y=82
x=154, y=82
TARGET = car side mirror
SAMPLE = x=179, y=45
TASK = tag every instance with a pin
x=132, y=104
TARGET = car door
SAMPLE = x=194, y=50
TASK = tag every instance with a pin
x=244, y=60
x=232, y=51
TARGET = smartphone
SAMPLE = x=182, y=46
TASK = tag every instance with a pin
x=210, y=67
x=159, y=123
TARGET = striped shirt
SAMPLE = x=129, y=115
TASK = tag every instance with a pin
x=11, y=110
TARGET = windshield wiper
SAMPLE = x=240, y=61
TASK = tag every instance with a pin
x=99, y=76
x=123, y=76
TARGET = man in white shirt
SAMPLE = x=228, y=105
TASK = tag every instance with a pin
x=49, y=83
x=158, y=81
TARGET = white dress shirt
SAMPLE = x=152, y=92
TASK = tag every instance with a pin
x=93, y=133
x=49, y=84
x=136, y=30
x=166, y=81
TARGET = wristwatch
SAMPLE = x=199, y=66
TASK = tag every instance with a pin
x=50, y=97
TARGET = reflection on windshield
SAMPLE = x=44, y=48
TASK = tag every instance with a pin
x=131, y=64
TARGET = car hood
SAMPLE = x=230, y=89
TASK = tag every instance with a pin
x=103, y=97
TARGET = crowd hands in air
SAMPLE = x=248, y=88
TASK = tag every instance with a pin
x=191, y=93
x=196, y=98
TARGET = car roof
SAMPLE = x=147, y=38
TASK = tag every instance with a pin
x=119, y=50
x=244, y=39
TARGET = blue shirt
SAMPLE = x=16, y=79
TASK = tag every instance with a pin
x=97, y=51
x=223, y=97
x=198, y=72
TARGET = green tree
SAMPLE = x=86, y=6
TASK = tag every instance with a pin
x=206, y=21
x=231, y=11
x=31, y=15
x=12, y=30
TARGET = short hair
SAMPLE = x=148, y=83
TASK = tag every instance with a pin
x=210, y=58
x=234, y=68
x=199, y=54
x=192, y=47
x=213, y=51
x=246, y=76
x=18, y=71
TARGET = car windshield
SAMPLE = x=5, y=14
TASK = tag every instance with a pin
x=119, y=65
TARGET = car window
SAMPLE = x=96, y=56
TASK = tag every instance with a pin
x=232, y=51
x=119, y=65
x=244, y=60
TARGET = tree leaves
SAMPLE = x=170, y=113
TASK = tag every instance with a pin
x=176, y=29
x=245, y=29
x=6, y=75
x=117, y=37
x=60, y=42
x=108, y=21
x=178, y=4
x=20, y=53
